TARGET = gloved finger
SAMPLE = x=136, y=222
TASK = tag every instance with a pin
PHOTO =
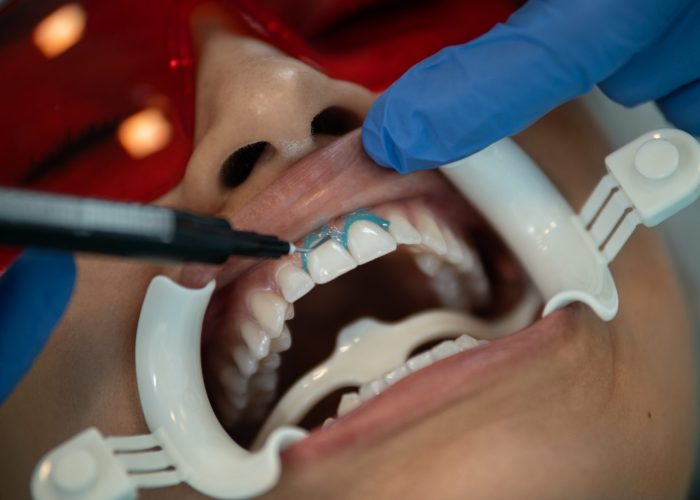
x=682, y=108
x=669, y=63
x=467, y=97
x=34, y=292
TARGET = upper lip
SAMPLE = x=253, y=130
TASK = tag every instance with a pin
x=325, y=184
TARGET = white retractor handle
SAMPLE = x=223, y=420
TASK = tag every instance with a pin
x=649, y=180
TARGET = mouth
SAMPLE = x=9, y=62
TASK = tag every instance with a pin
x=401, y=251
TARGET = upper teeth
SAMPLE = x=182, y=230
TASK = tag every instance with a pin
x=293, y=282
x=264, y=333
x=329, y=261
x=367, y=241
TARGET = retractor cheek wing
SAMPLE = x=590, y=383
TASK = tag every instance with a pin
x=187, y=443
x=566, y=254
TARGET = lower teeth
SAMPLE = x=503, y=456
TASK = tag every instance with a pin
x=384, y=349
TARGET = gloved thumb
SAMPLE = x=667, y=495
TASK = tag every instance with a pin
x=34, y=292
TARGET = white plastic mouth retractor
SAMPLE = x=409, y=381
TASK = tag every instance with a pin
x=567, y=256
x=187, y=443
x=382, y=347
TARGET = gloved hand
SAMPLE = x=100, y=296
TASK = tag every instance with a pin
x=34, y=292
x=467, y=97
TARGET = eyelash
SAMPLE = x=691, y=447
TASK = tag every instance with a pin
x=70, y=147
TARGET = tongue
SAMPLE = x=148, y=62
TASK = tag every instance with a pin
x=372, y=355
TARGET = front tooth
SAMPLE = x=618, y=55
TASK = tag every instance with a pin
x=348, y=402
x=247, y=365
x=454, y=249
x=293, y=282
x=430, y=232
x=283, y=342
x=403, y=231
x=465, y=342
x=444, y=349
x=368, y=241
x=419, y=361
x=329, y=261
x=270, y=310
x=256, y=339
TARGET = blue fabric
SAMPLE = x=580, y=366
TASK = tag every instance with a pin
x=466, y=97
x=34, y=292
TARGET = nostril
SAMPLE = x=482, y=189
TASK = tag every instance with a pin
x=239, y=165
x=334, y=121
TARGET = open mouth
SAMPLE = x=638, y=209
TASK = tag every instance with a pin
x=392, y=260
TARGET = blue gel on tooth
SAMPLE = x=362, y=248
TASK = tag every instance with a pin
x=341, y=236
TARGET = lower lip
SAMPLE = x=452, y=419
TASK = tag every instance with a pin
x=436, y=387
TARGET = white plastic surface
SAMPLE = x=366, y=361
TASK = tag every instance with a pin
x=82, y=468
x=659, y=172
x=175, y=404
x=538, y=225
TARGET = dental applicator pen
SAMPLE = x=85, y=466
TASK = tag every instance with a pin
x=127, y=229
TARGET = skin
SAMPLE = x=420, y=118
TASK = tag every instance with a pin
x=607, y=412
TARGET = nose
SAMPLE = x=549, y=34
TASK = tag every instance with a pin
x=258, y=111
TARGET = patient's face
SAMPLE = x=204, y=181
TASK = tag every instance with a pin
x=581, y=408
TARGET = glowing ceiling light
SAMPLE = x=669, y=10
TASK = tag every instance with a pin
x=60, y=30
x=144, y=133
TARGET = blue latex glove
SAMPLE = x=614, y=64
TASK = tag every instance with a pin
x=466, y=97
x=34, y=292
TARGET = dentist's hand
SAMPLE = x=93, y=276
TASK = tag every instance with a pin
x=466, y=97
x=34, y=292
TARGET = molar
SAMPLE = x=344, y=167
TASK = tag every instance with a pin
x=329, y=261
x=367, y=241
x=403, y=231
x=270, y=310
x=293, y=282
x=430, y=232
